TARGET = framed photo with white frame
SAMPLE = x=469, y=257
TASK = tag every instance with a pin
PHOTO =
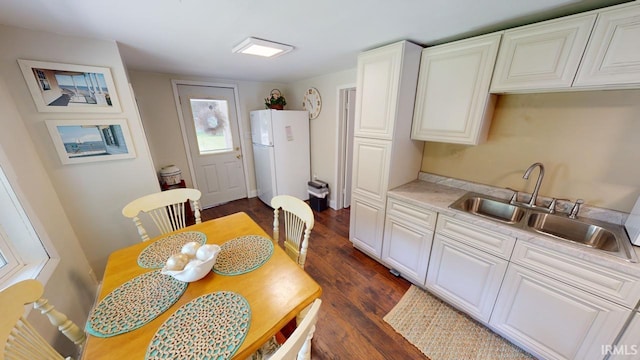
x=57, y=87
x=82, y=141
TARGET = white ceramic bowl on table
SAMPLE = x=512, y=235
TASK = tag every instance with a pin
x=197, y=268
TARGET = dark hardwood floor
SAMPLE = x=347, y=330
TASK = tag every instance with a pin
x=357, y=291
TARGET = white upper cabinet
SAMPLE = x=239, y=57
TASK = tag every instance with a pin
x=542, y=56
x=453, y=103
x=595, y=50
x=386, y=87
x=613, y=53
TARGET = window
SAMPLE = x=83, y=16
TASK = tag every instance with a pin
x=8, y=261
x=211, y=122
x=22, y=253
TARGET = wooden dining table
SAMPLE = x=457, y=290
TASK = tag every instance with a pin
x=276, y=291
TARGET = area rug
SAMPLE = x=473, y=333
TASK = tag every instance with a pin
x=441, y=332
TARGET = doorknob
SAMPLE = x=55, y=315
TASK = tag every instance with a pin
x=239, y=156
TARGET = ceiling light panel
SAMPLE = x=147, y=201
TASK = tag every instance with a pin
x=259, y=47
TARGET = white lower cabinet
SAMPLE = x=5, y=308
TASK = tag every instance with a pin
x=465, y=277
x=554, y=320
x=553, y=305
x=408, y=233
x=628, y=347
x=367, y=225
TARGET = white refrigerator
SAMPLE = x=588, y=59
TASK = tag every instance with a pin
x=281, y=153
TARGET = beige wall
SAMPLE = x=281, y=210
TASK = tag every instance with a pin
x=588, y=141
x=71, y=289
x=159, y=115
x=160, y=118
x=324, y=128
x=92, y=194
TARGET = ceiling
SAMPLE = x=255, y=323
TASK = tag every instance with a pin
x=195, y=37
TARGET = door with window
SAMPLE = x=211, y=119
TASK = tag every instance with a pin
x=210, y=122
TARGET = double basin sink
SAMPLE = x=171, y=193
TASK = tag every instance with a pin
x=609, y=238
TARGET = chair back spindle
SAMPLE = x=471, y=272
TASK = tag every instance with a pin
x=298, y=345
x=166, y=209
x=298, y=223
x=21, y=340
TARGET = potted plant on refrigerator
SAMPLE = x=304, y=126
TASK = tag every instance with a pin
x=275, y=100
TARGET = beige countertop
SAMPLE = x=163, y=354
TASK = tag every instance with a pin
x=436, y=193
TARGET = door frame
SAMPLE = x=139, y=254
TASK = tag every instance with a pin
x=241, y=130
x=341, y=141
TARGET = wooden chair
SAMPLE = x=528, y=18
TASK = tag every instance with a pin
x=21, y=340
x=298, y=222
x=165, y=208
x=298, y=345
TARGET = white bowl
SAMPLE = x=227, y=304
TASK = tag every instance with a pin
x=194, y=273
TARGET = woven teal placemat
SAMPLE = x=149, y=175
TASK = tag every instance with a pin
x=243, y=254
x=212, y=326
x=134, y=303
x=155, y=255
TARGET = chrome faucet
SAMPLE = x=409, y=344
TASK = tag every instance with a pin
x=534, y=195
x=576, y=207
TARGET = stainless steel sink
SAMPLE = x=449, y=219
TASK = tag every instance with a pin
x=490, y=208
x=580, y=232
x=609, y=238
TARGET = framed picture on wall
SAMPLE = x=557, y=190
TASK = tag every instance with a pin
x=82, y=141
x=59, y=87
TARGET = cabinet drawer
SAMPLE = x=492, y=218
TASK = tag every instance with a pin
x=494, y=243
x=612, y=285
x=413, y=214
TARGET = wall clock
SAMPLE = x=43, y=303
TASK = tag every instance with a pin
x=312, y=102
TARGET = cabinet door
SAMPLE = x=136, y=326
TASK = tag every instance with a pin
x=377, y=95
x=613, y=54
x=554, y=320
x=542, y=56
x=366, y=226
x=453, y=103
x=406, y=248
x=465, y=277
x=371, y=159
x=628, y=347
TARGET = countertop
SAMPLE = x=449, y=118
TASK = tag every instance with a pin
x=436, y=193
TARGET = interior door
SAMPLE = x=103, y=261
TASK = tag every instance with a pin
x=211, y=130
